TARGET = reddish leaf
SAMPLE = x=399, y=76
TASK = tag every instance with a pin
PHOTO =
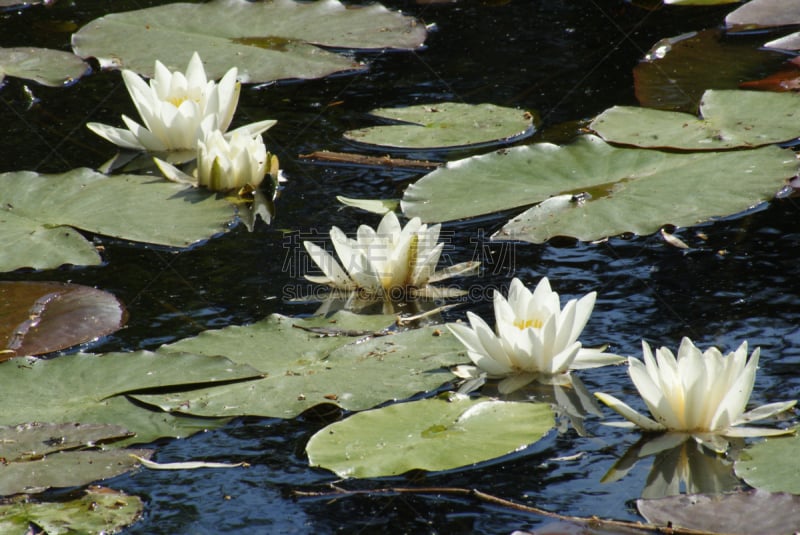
x=40, y=317
x=785, y=79
x=676, y=71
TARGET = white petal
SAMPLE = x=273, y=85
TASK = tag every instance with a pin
x=117, y=136
x=594, y=358
x=653, y=396
x=515, y=382
x=747, y=432
x=144, y=136
x=765, y=411
x=174, y=174
x=629, y=414
x=329, y=266
x=253, y=129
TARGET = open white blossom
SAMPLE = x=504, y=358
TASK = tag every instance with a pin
x=226, y=162
x=391, y=261
x=534, y=338
x=173, y=106
x=702, y=394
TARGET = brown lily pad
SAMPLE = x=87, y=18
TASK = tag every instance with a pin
x=41, y=317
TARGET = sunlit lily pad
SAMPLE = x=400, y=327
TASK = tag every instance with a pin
x=266, y=40
x=98, y=510
x=593, y=189
x=445, y=125
x=764, y=14
x=729, y=119
x=40, y=317
x=30, y=441
x=39, y=215
x=66, y=469
x=47, y=67
x=676, y=71
x=356, y=371
x=89, y=388
x=739, y=513
x=772, y=465
x=430, y=434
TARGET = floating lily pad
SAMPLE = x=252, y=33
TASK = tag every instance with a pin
x=764, y=14
x=445, y=125
x=676, y=71
x=266, y=40
x=66, y=469
x=430, y=434
x=40, y=317
x=739, y=513
x=355, y=370
x=47, y=67
x=729, y=119
x=599, y=190
x=375, y=206
x=88, y=388
x=30, y=441
x=39, y=215
x=772, y=465
x=98, y=510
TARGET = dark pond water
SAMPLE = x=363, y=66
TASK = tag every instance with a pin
x=567, y=61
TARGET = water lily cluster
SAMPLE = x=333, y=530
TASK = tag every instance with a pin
x=186, y=112
x=698, y=394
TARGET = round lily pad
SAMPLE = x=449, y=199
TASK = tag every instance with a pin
x=266, y=40
x=430, y=434
x=445, y=125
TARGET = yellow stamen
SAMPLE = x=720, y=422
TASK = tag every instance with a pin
x=536, y=323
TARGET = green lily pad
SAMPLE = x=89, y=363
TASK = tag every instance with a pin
x=39, y=215
x=445, y=125
x=66, y=469
x=40, y=317
x=676, y=71
x=771, y=464
x=98, y=510
x=736, y=513
x=88, y=388
x=266, y=40
x=30, y=441
x=592, y=189
x=763, y=14
x=730, y=119
x=48, y=67
x=375, y=206
x=305, y=368
x=430, y=434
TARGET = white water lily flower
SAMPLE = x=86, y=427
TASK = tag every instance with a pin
x=702, y=394
x=388, y=261
x=534, y=338
x=173, y=106
x=226, y=162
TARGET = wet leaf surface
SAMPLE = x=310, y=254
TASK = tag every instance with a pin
x=591, y=189
x=740, y=513
x=97, y=510
x=304, y=369
x=41, y=317
x=43, y=211
x=445, y=125
x=430, y=434
x=47, y=67
x=266, y=40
